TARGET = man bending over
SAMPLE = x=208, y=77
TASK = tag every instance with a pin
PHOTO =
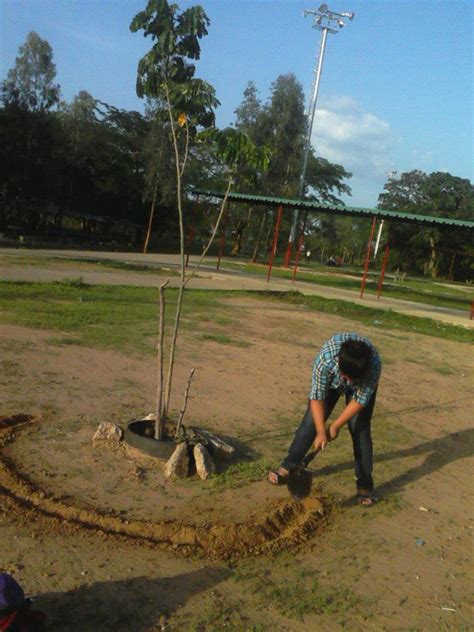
x=349, y=364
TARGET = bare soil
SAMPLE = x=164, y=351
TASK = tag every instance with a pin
x=108, y=543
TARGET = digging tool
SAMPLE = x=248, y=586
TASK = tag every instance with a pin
x=300, y=478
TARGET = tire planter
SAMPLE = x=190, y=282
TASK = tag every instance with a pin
x=135, y=435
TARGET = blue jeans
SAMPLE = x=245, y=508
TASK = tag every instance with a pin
x=359, y=428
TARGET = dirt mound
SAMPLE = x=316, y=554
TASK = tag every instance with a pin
x=287, y=524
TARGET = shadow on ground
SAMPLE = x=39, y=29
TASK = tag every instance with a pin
x=440, y=452
x=131, y=605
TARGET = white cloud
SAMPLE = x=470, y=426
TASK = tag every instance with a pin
x=360, y=141
x=91, y=38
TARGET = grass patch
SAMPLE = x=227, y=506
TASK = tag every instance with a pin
x=16, y=346
x=124, y=265
x=417, y=290
x=383, y=319
x=64, y=341
x=83, y=263
x=11, y=369
x=223, y=339
x=73, y=282
x=299, y=596
x=216, y=616
x=239, y=474
x=391, y=505
x=443, y=370
x=125, y=318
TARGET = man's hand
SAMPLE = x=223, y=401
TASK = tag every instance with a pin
x=321, y=441
x=333, y=432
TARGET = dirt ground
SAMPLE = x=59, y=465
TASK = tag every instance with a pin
x=108, y=544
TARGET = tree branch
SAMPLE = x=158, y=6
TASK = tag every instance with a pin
x=183, y=409
x=211, y=239
x=186, y=149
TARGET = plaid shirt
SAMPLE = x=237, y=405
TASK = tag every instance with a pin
x=326, y=372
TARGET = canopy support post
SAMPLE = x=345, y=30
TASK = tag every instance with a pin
x=367, y=259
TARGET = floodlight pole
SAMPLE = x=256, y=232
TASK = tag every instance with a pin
x=325, y=21
x=312, y=110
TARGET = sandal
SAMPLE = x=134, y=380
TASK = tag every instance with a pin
x=365, y=498
x=276, y=477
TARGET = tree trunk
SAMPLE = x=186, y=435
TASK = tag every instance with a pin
x=249, y=217
x=451, y=268
x=432, y=264
x=267, y=237
x=179, y=302
x=237, y=245
x=259, y=237
x=150, y=221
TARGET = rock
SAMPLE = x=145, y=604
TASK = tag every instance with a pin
x=178, y=463
x=205, y=465
x=218, y=447
x=109, y=433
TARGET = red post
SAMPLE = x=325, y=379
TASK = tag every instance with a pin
x=298, y=252
x=222, y=239
x=275, y=241
x=382, y=273
x=367, y=259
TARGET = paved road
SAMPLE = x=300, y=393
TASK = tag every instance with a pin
x=207, y=278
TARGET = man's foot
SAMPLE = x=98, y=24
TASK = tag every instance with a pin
x=278, y=477
x=365, y=498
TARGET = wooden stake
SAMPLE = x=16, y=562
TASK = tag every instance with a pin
x=159, y=421
x=183, y=409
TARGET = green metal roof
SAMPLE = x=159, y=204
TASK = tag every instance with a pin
x=320, y=207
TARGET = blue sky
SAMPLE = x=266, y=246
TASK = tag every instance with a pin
x=397, y=83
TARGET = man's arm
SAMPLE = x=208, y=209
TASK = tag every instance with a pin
x=353, y=408
x=316, y=407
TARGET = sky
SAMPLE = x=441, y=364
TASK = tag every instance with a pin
x=396, y=90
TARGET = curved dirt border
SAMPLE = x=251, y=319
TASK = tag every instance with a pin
x=288, y=524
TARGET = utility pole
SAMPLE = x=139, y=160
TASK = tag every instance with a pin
x=325, y=21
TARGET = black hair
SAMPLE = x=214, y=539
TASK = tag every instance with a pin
x=354, y=358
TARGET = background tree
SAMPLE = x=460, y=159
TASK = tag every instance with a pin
x=280, y=124
x=430, y=250
x=160, y=169
x=248, y=112
x=86, y=157
x=30, y=83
